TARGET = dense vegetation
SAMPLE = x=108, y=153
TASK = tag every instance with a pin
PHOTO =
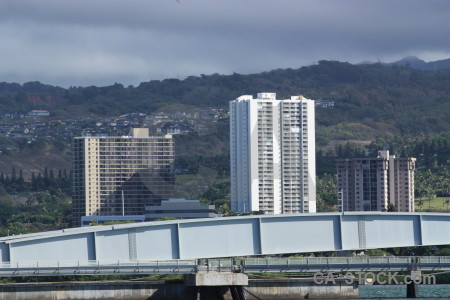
x=38, y=205
x=370, y=99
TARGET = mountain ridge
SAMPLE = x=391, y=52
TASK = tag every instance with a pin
x=417, y=63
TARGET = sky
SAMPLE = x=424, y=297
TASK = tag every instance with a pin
x=102, y=42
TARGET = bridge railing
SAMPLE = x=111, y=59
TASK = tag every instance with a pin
x=246, y=265
x=301, y=264
x=217, y=265
x=328, y=260
x=434, y=259
x=51, y=268
x=96, y=263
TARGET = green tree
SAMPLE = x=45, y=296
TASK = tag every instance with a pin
x=326, y=192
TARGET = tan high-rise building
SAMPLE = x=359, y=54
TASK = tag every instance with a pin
x=121, y=175
x=371, y=184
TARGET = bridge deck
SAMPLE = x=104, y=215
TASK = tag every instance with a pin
x=247, y=265
x=230, y=237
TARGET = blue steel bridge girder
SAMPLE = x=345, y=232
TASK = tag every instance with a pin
x=230, y=237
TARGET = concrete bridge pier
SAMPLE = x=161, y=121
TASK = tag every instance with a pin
x=213, y=285
x=210, y=292
x=411, y=287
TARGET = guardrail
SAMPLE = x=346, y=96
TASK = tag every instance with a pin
x=344, y=264
x=61, y=268
x=245, y=265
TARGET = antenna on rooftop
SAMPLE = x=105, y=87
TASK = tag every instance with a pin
x=123, y=205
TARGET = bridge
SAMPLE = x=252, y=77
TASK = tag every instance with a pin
x=184, y=240
x=241, y=265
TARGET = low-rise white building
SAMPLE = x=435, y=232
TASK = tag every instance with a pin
x=179, y=208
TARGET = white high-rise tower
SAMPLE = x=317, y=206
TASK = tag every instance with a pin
x=273, y=160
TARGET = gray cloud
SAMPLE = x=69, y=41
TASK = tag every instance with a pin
x=81, y=42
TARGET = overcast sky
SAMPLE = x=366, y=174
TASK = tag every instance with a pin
x=100, y=42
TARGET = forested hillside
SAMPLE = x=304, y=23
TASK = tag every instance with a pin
x=369, y=98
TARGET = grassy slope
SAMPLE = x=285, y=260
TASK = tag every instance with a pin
x=437, y=204
x=35, y=160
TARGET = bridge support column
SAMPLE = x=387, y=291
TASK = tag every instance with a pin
x=411, y=287
x=241, y=293
x=210, y=283
x=237, y=292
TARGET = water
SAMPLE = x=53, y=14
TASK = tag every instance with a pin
x=441, y=291
x=398, y=292
x=438, y=290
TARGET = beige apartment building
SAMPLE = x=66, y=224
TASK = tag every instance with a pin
x=121, y=175
x=371, y=184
